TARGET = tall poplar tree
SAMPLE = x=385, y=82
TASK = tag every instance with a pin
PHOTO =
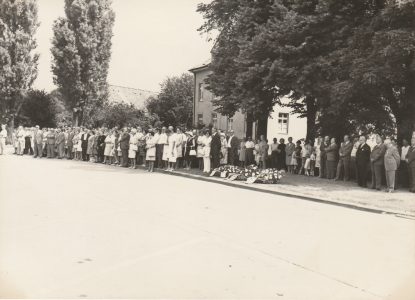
x=81, y=50
x=18, y=62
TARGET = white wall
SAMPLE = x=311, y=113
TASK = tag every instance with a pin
x=297, y=127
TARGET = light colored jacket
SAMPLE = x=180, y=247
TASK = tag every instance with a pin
x=392, y=159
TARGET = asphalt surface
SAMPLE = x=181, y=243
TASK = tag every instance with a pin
x=78, y=230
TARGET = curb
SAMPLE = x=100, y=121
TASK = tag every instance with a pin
x=286, y=194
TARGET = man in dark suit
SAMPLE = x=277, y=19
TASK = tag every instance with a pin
x=84, y=144
x=345, y=152
x=233, y=146
x=323, y=156
x=411, y=165
x=331, y=159
x=215, y=149
x=377, y=163
x=50, y=143
x=124, y=146
x=362, y=162
x=38, y=142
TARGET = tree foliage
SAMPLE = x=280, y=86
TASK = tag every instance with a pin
x=18, y=62
x=174, y=104
x=81, y=50
x=349, y=62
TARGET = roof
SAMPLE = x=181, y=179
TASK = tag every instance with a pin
x=203, y=66
x=137, y=97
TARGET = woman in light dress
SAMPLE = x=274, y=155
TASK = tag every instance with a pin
x=179, y=146
x=90, y=147
x=79, y=146
x=109, y=147
x=132, y=150
x=318, y=153
x=223, y=150
x=200, y=152
x=207, y=139
x=172, y=151
x=151, y=150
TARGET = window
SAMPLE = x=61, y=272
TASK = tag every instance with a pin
x=230, y=124
x=200, y=119
x=200, y=92
x=215, y=120
x=282, y=123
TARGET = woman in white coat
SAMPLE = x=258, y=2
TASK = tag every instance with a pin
x=207, y=139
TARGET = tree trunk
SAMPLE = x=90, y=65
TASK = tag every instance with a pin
x=249, y=124
x=262, y=126
x=311, y=118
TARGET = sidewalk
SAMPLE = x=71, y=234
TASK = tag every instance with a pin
x=346, y=194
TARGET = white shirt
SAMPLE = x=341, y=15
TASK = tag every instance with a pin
x=162, y=140
x=404, y=152
x=249, y=145
x=3, y=134
x=229, y=141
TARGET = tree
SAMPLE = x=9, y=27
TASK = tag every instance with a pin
x=174, y=104
x=81, y=50
x=38, y=108
x=18, y=62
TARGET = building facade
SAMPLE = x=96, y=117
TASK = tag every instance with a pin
x=281, y=123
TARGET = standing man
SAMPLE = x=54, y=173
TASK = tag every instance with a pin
x=331, y=159
x=233, y=147
x=38, y=142
x=411, y=165
x=344, y=159
x=3, y=136
x=60, y=143
x=124, y=146
x=323, y=157
x=403, y=172
x=84, y=143
x=215, y=149
x=377, y=163
x=20, y=140
x=362, y=162
x=353, y=166
x=50, y=143
x=161, y=141
x=69, y=142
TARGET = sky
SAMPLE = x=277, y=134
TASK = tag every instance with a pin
x=153, y=39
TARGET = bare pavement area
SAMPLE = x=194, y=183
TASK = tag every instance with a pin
x=79, y=230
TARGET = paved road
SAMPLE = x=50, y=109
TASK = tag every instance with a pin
x=79, y=230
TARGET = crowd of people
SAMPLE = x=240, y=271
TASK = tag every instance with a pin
x=380, y=163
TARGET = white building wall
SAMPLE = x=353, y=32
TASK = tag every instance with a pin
x=297, y=127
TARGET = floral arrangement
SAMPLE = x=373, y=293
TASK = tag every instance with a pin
x=250, y=174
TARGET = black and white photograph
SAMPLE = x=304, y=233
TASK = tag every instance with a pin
x=207, y=149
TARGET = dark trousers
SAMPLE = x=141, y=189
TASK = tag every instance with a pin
x=61, y=150
x=233, y=156
x=159, y=155
x=403, y=174
x=353, y=168
x=124, y=156
x=343, y=168
x=323, y=167
x=84, y=150
x=376, y=175
x=330, y=169
x=412, y=179
x=249, y=156
x=215, y=160
x=50, y=149
x=362, y=172
x=69, y=154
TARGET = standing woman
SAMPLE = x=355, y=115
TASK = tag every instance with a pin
x=109, y=147
x=223, y=150
x=242, y=152
x=249, y=146
x=172, y=151
x=274, y=153
x=151, y=150
x=207, y=139
x=263, y=151
x=90, y=147
x=79, y=146
x=318, y=155
x=179, y=146
x=141, y=147
x=289, y=153
x=392, y=160
x=200, y=152
x=281, y=155
x=21, y=134
x=132, y=150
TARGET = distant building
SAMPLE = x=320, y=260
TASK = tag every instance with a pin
x=281, y=124
x=137, y=97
